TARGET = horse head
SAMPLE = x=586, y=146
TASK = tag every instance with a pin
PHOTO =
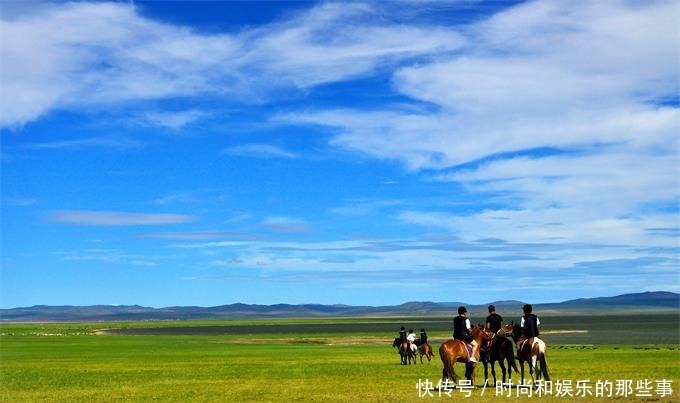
x=480, y=334
x=506, y=330
x=516, y=332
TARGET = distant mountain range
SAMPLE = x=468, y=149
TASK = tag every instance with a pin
x=647, y=301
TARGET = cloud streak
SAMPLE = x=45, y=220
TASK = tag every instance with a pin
x=259, y=151
x=116, y=218
x=286, y=225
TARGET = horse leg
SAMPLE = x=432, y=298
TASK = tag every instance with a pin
x=531, y=369
x=503, y=371
x=534, y=363
x=509, y=369
x=448, y=372
x=470, y=372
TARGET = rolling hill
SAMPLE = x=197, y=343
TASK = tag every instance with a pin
x=647, y=301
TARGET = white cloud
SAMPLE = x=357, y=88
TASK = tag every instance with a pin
x=111, y=256
x=538, y=75
x=108, y=142
x=335, y=41
x=259, y=151
x=201, y=235
x=174, y=120
x=286, y=224
x=90, y=55
x=611, y=182
x=116, y=218
x=556, y=112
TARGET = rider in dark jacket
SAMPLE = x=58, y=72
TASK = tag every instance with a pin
x=423, y=336
x=402, y=334
x=461, y=331
x=494, y=321
x=529, y=324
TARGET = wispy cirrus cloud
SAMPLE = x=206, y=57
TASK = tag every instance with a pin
x=364, y=207
x=202, y=235
x=173, y=119
x=121, y=143
x=513, y=89
x=286, y=225
x=95, y=54
x=530, y=266
x=110, y=256
x=19, y=202
x=116, y=218
x=556, y=114
x=599, y=183
x=259, y=151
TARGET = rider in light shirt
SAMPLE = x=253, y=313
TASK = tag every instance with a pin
x=411, y=337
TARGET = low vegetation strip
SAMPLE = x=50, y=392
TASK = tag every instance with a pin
x=604, y=329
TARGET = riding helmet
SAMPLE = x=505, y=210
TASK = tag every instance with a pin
x=461, y=310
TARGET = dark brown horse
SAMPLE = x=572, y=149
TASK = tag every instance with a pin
x=501, y=351
x=533, y=354
x=407, y=355
x=453, y=351
x=425, y=349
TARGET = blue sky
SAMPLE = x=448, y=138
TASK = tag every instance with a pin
x=171, y=153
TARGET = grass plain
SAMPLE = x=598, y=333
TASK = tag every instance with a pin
x=306, y=360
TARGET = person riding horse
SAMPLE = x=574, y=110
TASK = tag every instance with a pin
x=493, y=324
x=461, y=331
x=529, y=324
x=411, y=338
x=402, y=334
x=423, y=337
x=494, y=321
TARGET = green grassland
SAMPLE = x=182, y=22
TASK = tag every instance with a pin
x=304, y=360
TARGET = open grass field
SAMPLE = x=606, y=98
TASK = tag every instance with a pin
x=307, y=360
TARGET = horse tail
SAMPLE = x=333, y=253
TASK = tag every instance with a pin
x=544, y=366
x=541, y=357
x=447, y=371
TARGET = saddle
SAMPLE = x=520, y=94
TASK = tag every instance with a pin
x=523, y=343
x=468, y=349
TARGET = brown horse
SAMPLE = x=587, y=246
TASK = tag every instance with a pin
x=425, y=349
x=453, y=351
x=533, y=354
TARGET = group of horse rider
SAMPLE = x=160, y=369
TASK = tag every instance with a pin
x=410, y=337
x=462, y=329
